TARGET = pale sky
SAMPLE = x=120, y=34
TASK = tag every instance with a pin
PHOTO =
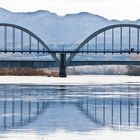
x=111, y=9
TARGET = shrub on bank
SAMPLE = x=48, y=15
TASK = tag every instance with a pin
x=27, y=72
x=133, y=70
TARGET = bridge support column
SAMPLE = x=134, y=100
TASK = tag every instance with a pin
x=62, y=67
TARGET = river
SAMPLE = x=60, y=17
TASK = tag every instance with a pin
x=77, y=107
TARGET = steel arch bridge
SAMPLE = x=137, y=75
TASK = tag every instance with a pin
x=114, y=39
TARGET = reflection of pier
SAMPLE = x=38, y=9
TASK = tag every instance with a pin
x=16, y=112
x=112, y=110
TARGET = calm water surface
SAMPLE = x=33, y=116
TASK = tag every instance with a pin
x=43, y=109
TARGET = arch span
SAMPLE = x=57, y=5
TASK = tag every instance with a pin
x=22, y=49
x=103, y=30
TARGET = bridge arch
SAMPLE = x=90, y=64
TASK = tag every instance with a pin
x=45, y=48
x=103, y=30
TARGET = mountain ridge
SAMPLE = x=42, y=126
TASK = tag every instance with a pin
x=55, y=29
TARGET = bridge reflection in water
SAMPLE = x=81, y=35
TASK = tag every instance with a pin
x=102, y=106
x=112, y=110
x=17, y=110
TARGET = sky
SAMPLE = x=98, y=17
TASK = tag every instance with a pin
x=111, y=9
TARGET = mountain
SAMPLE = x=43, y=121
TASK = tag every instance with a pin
x=55, y=29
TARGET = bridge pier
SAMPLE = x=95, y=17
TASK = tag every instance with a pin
x=62, y=66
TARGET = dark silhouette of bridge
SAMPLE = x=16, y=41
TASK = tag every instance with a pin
x=114, y=39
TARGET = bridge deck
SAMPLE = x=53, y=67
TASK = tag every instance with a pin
x=81, y=63
x=48, y=64
x=72, y=51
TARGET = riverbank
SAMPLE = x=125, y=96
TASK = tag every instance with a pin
x=105, y=134
x=70, y=80
x=27, y=72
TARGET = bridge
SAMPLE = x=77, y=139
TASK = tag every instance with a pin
x=114, y=39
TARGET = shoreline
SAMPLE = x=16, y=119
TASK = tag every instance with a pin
x=71, y=80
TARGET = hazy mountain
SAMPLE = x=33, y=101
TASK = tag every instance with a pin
x=54, y=29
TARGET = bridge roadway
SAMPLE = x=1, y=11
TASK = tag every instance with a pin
x=50, y=64
x=126, y=51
